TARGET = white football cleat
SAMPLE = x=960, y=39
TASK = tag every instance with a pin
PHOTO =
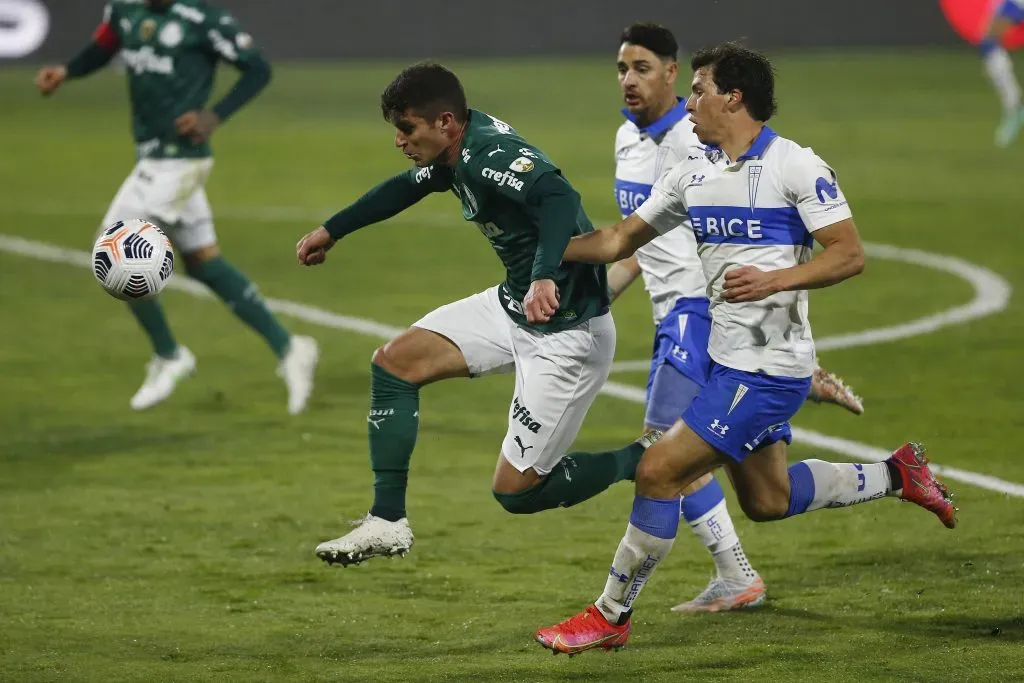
x=372, y=537
x=827, y=387
x=723, y=595
x=162, y=376
x=297, y=369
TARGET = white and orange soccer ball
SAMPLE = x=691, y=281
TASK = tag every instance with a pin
x=133, y=260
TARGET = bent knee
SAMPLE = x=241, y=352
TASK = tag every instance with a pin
x=407, y=369
x=194, y=259
x=653, y=471
x=517, y=502
x=765, y=508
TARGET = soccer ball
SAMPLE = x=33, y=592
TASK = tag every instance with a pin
x=133, y=260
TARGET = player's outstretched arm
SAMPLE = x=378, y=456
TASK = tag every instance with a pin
x=93, y=57
x=841, y=258
x=255, y=76
x=387, y=199
x=611, y=244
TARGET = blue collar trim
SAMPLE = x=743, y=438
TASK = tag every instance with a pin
x=671, y=118
x=760, y=144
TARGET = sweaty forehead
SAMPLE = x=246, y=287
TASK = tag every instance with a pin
x=702, y=77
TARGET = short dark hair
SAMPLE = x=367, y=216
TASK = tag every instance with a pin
x=734, y=67
x=654, y=37
x=426, y=88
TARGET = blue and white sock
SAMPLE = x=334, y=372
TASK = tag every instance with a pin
x=649, y=536
x=706, y=513
x=815, y=484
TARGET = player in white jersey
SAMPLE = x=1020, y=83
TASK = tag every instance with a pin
x=657, y=135
x=756, y=203
x=999, y=68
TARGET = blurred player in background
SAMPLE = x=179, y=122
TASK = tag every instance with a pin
x=171, y=49
x=658, y=135
x=999, y=67
x=548, y=321
x=756, y=203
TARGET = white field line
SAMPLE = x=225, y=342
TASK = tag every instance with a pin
x=991, y=295
x=853, y=449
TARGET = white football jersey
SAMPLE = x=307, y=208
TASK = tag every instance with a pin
x=669, y=265
x=759, y=210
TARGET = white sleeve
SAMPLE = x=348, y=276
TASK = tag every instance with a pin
x=812, y=186
x=665, y=208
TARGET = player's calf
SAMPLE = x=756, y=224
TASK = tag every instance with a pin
x=817, y=484
x=765, y=505
x=575, y=478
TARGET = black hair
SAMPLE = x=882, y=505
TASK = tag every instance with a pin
x=654, y=37
x=428, y=90
x=734, y=67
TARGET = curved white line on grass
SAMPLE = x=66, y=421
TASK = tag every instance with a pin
x=311, y=314
x=991, y=295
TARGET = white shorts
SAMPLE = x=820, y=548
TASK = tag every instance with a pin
x=170, y=193
x=558, y=374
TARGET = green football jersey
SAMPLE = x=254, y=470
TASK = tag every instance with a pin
x=492, y=178
x=171, y=55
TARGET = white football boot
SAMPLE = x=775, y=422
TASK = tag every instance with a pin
x=297, y=369
x=827, y=387
x=372, y=537
x=162, y=376
x=723, y=595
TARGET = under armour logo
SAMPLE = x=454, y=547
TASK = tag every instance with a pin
x=521, y=446
x=697, y=178
x=718, y=428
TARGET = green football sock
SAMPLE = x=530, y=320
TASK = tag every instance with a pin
x=150, y=315
x=242, y=297
x=575, y=478
x=392, y=425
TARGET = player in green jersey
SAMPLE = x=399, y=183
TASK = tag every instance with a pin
x=171, y=49
x=528, y=211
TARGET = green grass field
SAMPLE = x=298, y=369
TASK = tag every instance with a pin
x=177, y=544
